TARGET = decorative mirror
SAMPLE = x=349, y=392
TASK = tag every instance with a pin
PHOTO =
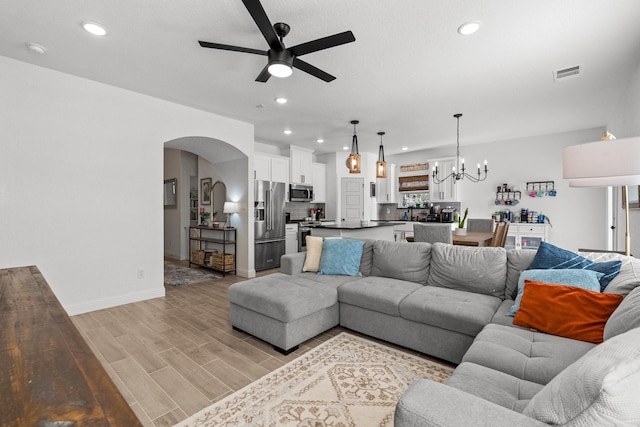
x=170, y=193
x=218, y=197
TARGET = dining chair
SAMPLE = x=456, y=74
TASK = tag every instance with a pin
x=500, y=234
x=432, y=233
x=480, y=224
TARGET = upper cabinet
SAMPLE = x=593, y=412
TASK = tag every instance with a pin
x=445, y=191
x=271, y=168
x=319, y=177
x=386, y=187
x=300, y=160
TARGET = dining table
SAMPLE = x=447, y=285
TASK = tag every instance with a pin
x=473, y=238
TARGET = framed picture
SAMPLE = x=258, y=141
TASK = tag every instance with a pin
x=634, y=197
x=205, y=191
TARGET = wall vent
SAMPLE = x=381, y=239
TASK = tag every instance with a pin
x=567, y=73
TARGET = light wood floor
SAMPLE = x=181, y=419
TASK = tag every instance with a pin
x=172, y=356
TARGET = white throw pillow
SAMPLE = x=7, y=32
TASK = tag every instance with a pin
x=314, y=252
x=602, y=388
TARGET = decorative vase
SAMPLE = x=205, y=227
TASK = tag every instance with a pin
x=460, y=231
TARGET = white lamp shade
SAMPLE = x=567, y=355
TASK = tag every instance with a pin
x=602, y=163
x=231, y=207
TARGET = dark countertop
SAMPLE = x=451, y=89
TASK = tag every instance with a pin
x=356, y=225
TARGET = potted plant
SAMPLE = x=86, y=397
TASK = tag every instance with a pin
x=461, y=231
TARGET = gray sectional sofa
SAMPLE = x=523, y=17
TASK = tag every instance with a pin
x=451, y=302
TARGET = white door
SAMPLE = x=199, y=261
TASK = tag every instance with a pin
x=352, y=199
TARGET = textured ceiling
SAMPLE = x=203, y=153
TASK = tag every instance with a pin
x=407, y=72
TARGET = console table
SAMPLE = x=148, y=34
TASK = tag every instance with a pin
x=48, y=374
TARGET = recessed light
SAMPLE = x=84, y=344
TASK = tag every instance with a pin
x=36, y=48
x=281, y=100
x=345, y=148
x=469, y=28
x=94, y=28
x=405, y=148
x=287, y=132
x=320, y=140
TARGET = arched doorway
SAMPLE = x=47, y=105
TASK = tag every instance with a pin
x=199, y=158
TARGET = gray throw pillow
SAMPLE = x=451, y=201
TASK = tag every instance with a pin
x=629, y=276
x=599, y=389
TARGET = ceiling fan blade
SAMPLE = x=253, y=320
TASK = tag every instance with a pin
x=264, y=74
x=232, y=48
x=316, y=72
x=262, y=21
x=323, y=43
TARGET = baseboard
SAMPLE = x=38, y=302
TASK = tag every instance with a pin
x=113, y=302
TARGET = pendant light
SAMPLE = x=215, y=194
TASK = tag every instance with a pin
x=381, y=165
x=353, y=162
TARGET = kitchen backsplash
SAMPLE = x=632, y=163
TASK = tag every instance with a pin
x=391, y=211
x=301, y=210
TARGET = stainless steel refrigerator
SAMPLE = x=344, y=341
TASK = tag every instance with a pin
x=269, y=220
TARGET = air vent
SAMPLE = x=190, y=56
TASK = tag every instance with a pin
x=567, y=73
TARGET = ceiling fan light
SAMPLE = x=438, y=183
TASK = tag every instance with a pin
x=280, y=70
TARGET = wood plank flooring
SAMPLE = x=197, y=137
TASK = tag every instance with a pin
x=172, y=356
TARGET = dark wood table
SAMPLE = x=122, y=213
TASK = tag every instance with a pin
x=48, y=374
x=473, y=238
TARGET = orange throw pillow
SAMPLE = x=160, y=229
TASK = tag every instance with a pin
x=566, y=311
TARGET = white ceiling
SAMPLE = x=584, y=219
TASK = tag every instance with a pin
x=407, y=73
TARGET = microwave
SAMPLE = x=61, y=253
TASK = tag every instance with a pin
x=300, y=193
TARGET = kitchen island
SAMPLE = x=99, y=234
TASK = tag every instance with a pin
x=356, y=230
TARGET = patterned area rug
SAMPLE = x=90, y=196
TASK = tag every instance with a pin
x=346, y=381
x=175, y=275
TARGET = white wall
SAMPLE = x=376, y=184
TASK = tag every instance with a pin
x=81, y=173
x=578, y=215
x=624, y=123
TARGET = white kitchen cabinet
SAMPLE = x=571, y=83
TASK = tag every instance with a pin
x=300, y=160
x=386, y=187
x=291, y=238
x=319, y=175
x=444, y=191
x=271, y=168
x=526, y=236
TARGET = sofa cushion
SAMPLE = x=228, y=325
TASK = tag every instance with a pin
x=481, y=270
x=313, y=253
x=517, y=262
x=401, y=260
x=599, y=389
x=284, y=297
x=528, y=355
x=380, y=294
x=549, y=256
x=566, y=311
x=450, y=309
x=580, y=278
x=341, y=257
x=626, y=316
x=367, y=257
x=629, y=276
x=495, y=386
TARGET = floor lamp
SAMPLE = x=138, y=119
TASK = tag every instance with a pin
x=609, y=162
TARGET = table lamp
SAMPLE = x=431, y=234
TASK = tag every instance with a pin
x=230, y=208
x=608, y=162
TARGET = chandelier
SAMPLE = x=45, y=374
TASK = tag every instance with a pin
x=459, y=166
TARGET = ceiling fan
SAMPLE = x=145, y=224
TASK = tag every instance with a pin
x=281, y=59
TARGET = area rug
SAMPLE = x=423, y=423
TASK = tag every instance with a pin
x=346, y=381
x=179, y=276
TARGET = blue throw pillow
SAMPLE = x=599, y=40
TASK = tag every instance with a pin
x=341, y=257
x=553, y=257
x=585, y=279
